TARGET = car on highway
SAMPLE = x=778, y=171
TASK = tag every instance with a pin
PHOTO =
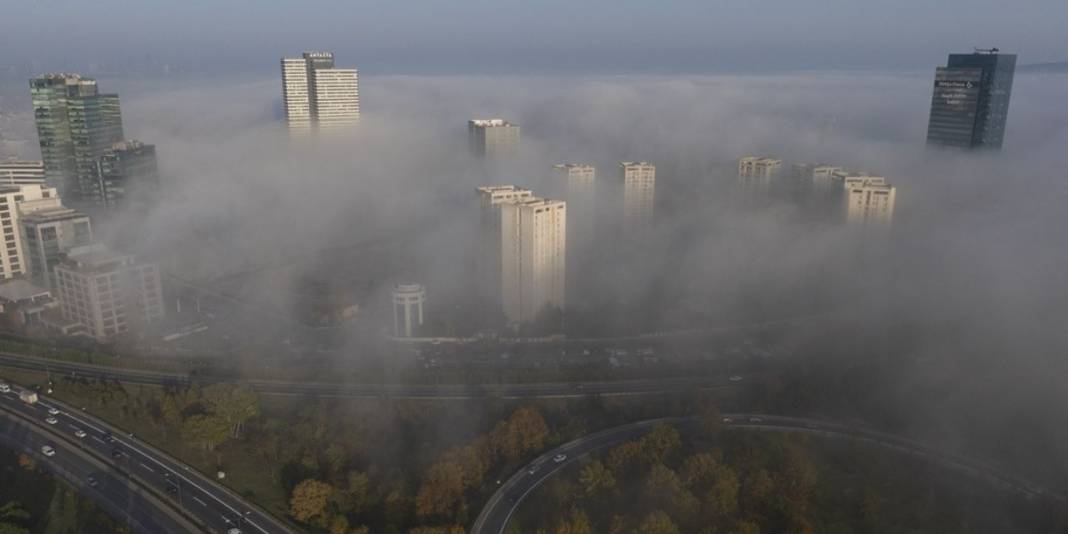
x=92, y=481
x=51, y=420
x=4, y=388
x=48, y=450
x=108, y=437
x=80, y=434
x=52, y=410
x=172, y=488
x=116, y=453
x=735, y=378
x=559, y=458
x=533, y=469
x=728, y=420
x=755, y=420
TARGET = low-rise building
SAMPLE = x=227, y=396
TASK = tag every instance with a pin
x=108, y=293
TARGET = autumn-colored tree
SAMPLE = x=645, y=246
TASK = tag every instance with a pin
x=756, y=491
x=338, y=524
x=721, y=501
x=657, y=522
x=622, y=458
x=357, y=492
x=205, y=429
x=577, y=522
x=664, y=489
x=442, y=491
x=450, y=529
x=310, y=501
x=659, y=442
x=699, y=469
x=523, y=432
x=596, y=478
x=746, y=527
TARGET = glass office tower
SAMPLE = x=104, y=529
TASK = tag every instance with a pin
x=75, y=125
x=970, y=102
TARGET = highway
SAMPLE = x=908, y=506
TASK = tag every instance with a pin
x=115, y=456
x=115, y=493
x=392, y=391
x=505, y=501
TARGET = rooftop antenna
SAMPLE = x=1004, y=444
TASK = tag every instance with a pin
x=986, y=50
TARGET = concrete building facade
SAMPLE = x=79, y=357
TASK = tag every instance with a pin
x=20, y=172
x=533, y=258
x=408, y=302
x=491, y=138
x=869, y=202
x=316, y=94
x=107, y=293
x=756, y=173
x=579, y=183
x=47, y=234
x=639, y=195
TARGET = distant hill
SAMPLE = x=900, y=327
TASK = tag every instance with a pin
x=1059, y=66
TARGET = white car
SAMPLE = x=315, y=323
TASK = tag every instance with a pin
x=51, y=420
x=80, y=434
x=47, y=450
x=735, y=378
x=4, y=388
x=755, y=420
x=559, y=458
x=52, y=411
x=728, y=420
x=533, y=469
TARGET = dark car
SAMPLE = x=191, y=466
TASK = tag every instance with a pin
x=108, y=437
x=116, y=453
x=92, y=481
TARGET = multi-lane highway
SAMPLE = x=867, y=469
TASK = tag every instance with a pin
x=130, y=474
x=127, y=502
x=506, y=500
x=394, y=391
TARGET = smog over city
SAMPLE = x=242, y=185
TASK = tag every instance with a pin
x=813, y=282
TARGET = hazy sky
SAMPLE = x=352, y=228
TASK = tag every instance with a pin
x=514, y=35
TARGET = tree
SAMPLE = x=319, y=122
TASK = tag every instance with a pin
x=622, y=457
x=357, y=492
x=523, y=432
x=699, y=469
x=657, y=522
x=577, y=523
x=595, y=478
x=659, y=442
x=309, y=501
x=205, y=429
x=11, y=515
x=234, y=405
x=442, y=491
x=721, y=501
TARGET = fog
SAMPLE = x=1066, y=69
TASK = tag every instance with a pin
x=975, y=257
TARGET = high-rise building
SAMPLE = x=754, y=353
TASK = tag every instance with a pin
x=490, y=138
x=756, y=173
x=47, y=234
x=533, y=257
x=315, y=93
x=75, y=125
x=408, y=301
x=19, y=172
x=815, y=178
x=869, y=202
x=126, y=173
x=639, y=195
x=489, y=262
x=970, y=101
x=295, y=93
x=579, y=183
x=15, y=201
x=108, y=293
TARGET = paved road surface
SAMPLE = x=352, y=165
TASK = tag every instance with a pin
x=216, y=507
x=127, y=502
x=395, y=391
x=499, y=509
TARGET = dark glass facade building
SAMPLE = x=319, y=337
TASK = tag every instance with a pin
x=75, y=125
x=970, y=101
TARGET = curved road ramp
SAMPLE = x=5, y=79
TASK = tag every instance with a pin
x=506, y=500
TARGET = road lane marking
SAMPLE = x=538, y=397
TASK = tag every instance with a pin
x=98, y=439
x=147, y=467
x=199, y=501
